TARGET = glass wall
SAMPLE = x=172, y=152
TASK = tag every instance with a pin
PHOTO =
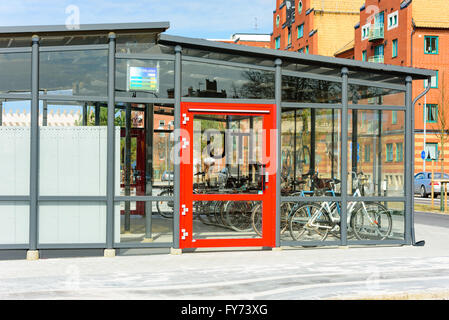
x=205, y=80
x=145, y=78
x=296, y=89
x=74, y=73
x=365, y=95
x=15, y=72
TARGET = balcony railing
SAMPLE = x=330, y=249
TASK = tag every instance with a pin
x=376, y=59
x=376, y=32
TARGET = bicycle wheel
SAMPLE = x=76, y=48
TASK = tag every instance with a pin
x=309, y=222
x=286, y=208
x=238, y=215
x=372, y=222
x=256, y=219
x=165, y=208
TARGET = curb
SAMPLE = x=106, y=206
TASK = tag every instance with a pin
x=432, y=295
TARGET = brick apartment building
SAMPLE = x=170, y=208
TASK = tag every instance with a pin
x=410, y=33
x=309, y=26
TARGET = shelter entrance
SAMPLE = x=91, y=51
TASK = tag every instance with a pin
x=228, y=175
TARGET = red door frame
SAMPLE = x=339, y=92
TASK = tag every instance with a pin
x=187, y=197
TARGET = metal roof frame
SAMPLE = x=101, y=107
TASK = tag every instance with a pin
x=322, y=61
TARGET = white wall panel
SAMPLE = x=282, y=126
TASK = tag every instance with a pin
x=14, y=223
x=14, y=161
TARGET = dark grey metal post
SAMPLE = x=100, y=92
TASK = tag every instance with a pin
x=312, y=140
x=97, y=114
x=111, y=144
x=409, y=159
x=149, y=124
x=278, y=101
x=344, y=158
x=354, y=142
x=34, y=143
x=85, y=114
x=45, y=111
x=176, y=159
x=1, y=112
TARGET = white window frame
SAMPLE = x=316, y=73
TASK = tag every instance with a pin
x=392, y=15
x=367, y=28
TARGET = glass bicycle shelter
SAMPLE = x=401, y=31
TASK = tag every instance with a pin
x=120, y=136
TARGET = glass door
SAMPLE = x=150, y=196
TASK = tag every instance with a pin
x=227, y=176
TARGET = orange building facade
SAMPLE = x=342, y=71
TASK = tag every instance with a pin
x=411, y=33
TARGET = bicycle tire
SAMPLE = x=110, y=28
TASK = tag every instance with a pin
x=363, y=232
x=238, y=215
x=165, y=214
x=301, y=217
x=256, y=219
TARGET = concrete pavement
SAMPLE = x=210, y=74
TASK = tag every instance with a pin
x=327, y=273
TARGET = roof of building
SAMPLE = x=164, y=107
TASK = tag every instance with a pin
x=337, y=5
x=431, y=14
x=349, y=46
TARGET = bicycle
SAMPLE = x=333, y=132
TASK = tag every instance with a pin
x=364, y=218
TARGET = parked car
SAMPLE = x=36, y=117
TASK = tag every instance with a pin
x=167, y=176
x=423, y=183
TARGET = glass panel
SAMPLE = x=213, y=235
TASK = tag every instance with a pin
x=144, y=149
x=309, y=90
x=377, y=160
x=15, y=148
x=216, y=81
x=145, y=78
x=228, y=154
x=14, y=222
x=16, y=73
x=371, y=95
x=227, y=219
x=141, y=43
x=144, y=222
x=15, y=42
x=72, y=40
x=77, y=73
x=310, y=221
x=72, y=222
x=376, y=221
x=310, y=152
x=73, y=149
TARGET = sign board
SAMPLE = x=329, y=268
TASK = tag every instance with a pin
x=143, y=79
x=423, y=155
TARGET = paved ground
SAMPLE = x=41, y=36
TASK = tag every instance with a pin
x=288, y=274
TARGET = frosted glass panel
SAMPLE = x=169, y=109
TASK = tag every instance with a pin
x=14, y=223
x=72, y=222
x=14, y=161
x=73, y=161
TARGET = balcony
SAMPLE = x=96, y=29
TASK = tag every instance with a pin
x=376, y=32
x=376, y=59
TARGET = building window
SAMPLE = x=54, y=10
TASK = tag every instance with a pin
x=433, y=82
x=307, y=49
x=364, y=56
x=278, y=19
x=394, y=117
x=395, y=48
x=399, y=152
x=430, y=45
x=301, y=31
x=278, y=43
x=393, y=20
x=301, y=50
x=300, y=7
x=431, y=150
x=367, y=153
x=289, y=36
x=431, y=113
x=365, y=31
x=389, y=152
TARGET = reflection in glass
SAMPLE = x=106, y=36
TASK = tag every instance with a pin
x=227, y=219
x=147, y=226
x=228, y=154
x=296, y=89
x=16, y=72
x=310, y=155
x=364, y=95
x=376, y=152
x=216, y=81
x=76, y=73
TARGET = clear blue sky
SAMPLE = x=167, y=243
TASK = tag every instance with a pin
x=194, y=18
